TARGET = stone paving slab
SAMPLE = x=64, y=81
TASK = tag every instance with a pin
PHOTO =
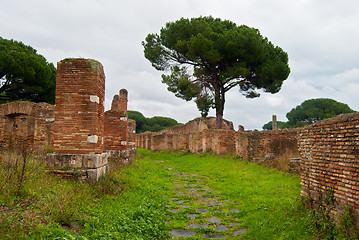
x=234, y=210
x=221, y=228
x=214, y=236
x=192, y=216
x=198, y=225
x=182, y=233
x=239, y=232
x=214, y=219
x=202, y=210
x=234, y=224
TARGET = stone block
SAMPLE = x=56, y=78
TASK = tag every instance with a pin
x=73, y=161
x=93, y=175
x=88, y=167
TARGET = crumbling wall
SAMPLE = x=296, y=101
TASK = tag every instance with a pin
x=247, y=144
x=197, y=125
x=162, y=141
x=259, y=144
x=26, y=125
x=329, y=153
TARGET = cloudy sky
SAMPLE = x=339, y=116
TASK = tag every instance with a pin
x=321, y=38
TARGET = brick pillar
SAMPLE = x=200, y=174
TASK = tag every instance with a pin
x=79, y=110
x=79, y=117
x=116, y=125
x=115, y=106
x=116, y=129
x=274, y=122
x=123, y=100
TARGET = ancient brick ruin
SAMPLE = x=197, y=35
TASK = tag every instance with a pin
x=84, y=136
x=329, y=152
x=81, y=136
x=200, y=135
x=118, y=129
x=79, y=118
x=197, y=125
x=26, y=125
x=79, y=110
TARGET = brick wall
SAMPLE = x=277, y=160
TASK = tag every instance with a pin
x=258, y=144
x=330, y=159
x=79, y=110
x=162, y=141
x=197, y=125
x=26, y=124
x=246, y=144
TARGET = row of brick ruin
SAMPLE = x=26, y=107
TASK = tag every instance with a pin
x=81, y=135
x=200, y=135
x=328, y=151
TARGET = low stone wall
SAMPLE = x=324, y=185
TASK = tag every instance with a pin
x=329, y=153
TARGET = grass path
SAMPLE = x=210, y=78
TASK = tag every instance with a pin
x=268, y=202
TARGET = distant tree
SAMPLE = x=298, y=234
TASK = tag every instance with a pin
x=207, y=57
x=139, y=118
x=280, y=125
x=153, y=124
x=24, y=74
x=313, y=110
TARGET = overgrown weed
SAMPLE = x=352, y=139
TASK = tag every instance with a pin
x=111, y=183
x=280, y=161
x=325, y=224
x=30, y=197
x=16, y=167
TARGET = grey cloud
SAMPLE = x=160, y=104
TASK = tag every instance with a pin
x=319, y=36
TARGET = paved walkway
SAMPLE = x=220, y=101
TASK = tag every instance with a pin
x=199, y=206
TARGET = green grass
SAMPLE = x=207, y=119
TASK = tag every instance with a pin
x=130, y=202
x=269, y=201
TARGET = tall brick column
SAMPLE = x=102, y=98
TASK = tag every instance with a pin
x=123, y=100
x=79, y=110
x=79, y=117
x=116, y=128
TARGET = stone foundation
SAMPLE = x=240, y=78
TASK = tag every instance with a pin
x=83, y=167
x=125, y=157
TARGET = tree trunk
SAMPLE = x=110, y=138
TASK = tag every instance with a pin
x=219, y=102
x=219, y=119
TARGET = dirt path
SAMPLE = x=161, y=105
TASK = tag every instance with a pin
x=196, y=209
